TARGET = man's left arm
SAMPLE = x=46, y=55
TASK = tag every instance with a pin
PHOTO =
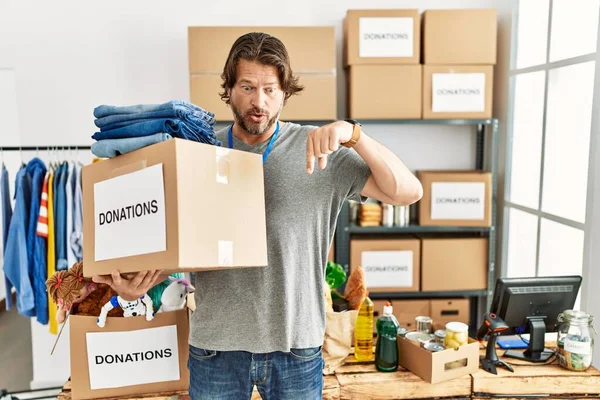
x=391, y=182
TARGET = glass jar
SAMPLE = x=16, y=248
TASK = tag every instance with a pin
x=457, y=334
x=575, y=343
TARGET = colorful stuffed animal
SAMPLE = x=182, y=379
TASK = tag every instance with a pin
x=138, y=307
x=68, y=289
x=175, y=295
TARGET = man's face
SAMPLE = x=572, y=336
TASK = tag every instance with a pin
x=256, y=98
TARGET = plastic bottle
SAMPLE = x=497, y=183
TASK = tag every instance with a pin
x=363, y=332
x=386, y=353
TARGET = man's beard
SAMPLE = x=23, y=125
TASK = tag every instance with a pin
x=254, y=128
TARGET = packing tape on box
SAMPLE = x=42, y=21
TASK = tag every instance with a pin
x=225, y=253
x=223, y=165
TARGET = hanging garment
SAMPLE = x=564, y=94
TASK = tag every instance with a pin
x=16, y=267
x=6, y=205
x=36, y=170
x=51, y=260
x=61, y=220
x=77, y=235
x=70, y=195
x=40, y=257
x=6, y=217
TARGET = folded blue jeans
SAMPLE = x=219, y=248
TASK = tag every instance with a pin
x=106, y=110
x=174, y=127
x=109, y=148
x=188, y=118
x=220, y=375
x=179, y=112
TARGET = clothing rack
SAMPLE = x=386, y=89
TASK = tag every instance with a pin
x=43, y=148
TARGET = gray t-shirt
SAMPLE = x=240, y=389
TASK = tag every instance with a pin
x=282, y=305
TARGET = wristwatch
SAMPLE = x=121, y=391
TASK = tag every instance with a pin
x=355, y=133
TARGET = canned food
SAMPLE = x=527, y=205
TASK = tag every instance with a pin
x=388, y=215
x=423, y=323
x=401, y=215
x=419, y=337
x=440, y=336
x=433, y=346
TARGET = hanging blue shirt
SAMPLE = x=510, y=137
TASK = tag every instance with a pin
x=36, y=245
x=16, y=268
x=61, y=220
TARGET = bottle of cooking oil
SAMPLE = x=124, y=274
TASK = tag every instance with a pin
x=363, y=332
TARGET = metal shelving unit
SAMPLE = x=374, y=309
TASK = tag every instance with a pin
x=486, y=159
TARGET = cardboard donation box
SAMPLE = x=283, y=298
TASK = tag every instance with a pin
x=129, y=356
x=389, y=265
x=455, y=198
x=373, y=91
x=382, y=37
x=406, y=311
x=454, y=264
x=460, y=36
x=457, y=91
x=176, y=206
x=449, y=310
x=440, y=366
x=312, y=56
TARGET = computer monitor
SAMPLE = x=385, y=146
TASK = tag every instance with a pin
x=532, y=305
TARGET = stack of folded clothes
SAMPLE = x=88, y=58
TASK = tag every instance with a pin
x=128, y=128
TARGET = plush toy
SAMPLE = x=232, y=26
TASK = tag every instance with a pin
x=92, y=304
x=175, y=295
x=137, y=307
x=67, y=288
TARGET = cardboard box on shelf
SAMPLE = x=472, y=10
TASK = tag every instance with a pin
x=455, y=198
x=385, y=91
x=440, y=366
x=129, y=356
x=457, y=91
x=407, y=310
x=391, y=265
x=149, y=209
x=382, y=37
x=312, y=52
x=454, y=264
x=449, y=310
x=460, y=36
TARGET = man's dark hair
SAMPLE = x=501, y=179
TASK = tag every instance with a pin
x=264, y=49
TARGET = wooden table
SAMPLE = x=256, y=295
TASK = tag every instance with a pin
x=361, y=381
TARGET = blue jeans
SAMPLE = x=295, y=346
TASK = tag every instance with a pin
x=175, y=106
x=217, y=375
x=109, y=148
x=174, y=127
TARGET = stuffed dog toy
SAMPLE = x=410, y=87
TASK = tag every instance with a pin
x=175, y=295
x=138, y=307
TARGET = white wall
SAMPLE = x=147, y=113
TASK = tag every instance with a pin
x=69, y=57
